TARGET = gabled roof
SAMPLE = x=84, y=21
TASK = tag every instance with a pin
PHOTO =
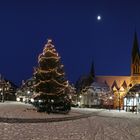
x=114, y=85
x=119, y=80
x=99, y=87
x=8, y=81
x=124, y=85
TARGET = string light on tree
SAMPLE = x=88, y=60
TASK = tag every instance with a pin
x=51, y=83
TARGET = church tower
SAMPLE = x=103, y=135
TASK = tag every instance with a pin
x=135, y=61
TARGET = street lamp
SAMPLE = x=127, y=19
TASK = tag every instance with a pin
x=2, y=96
x=1, y=93
x=126, y=103
x=79, y=103
x=137, y=95
x=119, y=99
x=110, y=98
x=28, y=94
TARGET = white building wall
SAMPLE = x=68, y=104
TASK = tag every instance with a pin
x=131, y=102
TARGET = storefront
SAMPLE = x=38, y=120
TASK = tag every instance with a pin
x=132, y=99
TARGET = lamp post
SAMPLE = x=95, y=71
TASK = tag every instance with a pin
x=2, y=94
x=137, y=95
x=133, y=104
x=126, y=103
x=110, y=98
x=80, y=100
x=28, y=94
x=119, y=99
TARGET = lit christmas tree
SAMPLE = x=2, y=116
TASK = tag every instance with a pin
x=51, y=86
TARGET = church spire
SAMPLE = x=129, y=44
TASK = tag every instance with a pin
x=92, y=70
x=135, y=62
x=135, y=50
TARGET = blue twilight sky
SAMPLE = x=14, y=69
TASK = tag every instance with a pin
x=79, y=38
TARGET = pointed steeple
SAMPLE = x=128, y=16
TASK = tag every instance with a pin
x=135, y=49
x=135, y=60
x=92, y=70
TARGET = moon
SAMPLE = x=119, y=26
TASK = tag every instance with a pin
x=99, y=17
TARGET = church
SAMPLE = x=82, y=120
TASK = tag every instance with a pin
x=120, y=85
x=101, y=91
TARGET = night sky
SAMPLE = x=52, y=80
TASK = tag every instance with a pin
x=77, y=34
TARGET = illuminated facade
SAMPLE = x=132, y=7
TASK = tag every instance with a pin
x=25, y=92
x=7, y=90
x=132, y=99
x=121, y=84
x=96, y=95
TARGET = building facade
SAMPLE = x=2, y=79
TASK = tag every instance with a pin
x=26, y=91
x=132, y=99
x=97, y=95
x=7, y=90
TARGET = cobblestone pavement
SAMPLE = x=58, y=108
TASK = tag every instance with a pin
x=91, y=128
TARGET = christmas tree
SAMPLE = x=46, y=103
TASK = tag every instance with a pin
x=51, y=85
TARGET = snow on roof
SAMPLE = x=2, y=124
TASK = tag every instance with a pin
x=99, y=86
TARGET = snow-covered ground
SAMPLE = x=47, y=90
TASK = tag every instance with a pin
x=27, y=111
x=109, y=113
x=104, y=125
